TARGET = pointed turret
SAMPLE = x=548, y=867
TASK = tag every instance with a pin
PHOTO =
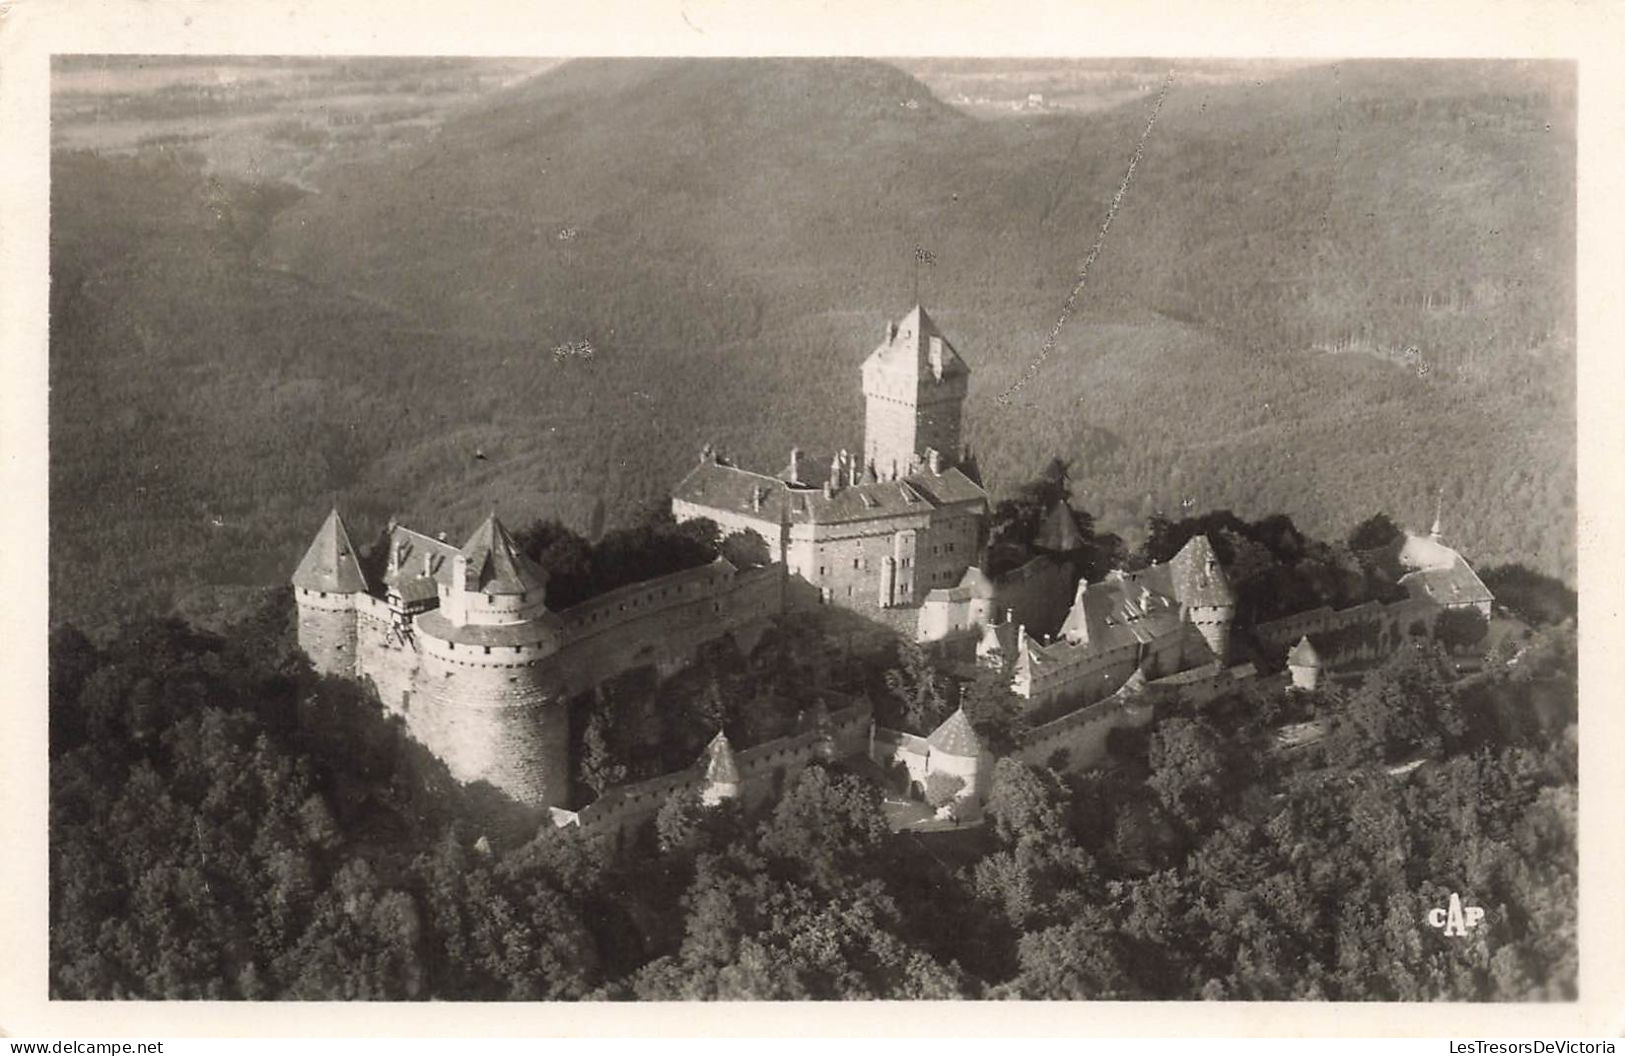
x=1204, y=592
x=330, y=565
x=1058, y=532
x=721, y=771
x=496, y=565
x=1304, y=664
x=956, y=737
x=1199, y=579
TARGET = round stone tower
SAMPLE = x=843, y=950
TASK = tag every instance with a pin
x=484, y=702
x=326, y=587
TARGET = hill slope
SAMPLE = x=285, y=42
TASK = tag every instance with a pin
x=730, y=235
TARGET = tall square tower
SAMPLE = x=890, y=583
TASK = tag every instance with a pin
x=914, y=388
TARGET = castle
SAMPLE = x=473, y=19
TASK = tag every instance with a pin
x=873, y=531
x=459, y=640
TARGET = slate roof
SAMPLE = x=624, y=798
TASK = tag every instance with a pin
x=495, y=563
x=721, y=768
x=1455, y=585
x=330, y=564
x=1198, y=577
x=1439, y=574
x=1058, y=532
x=720, y=487
x=408, y=579
x=1120, y=609
x=910, y=351
x=1303, y=654
x=956, y=737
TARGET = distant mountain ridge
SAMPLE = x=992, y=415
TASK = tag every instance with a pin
x=728, y=236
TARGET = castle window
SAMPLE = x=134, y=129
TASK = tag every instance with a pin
x=488, y=650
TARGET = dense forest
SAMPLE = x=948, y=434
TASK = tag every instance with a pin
x=226, y=824
x=1340, y=289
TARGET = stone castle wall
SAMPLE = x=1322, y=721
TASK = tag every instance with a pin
x=1079, y=737
x=1362, y=632
x=493, y=722
x=327, y=630
x=386, y=658
x=496, y=713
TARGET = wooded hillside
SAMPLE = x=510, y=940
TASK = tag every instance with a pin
x=729, y=236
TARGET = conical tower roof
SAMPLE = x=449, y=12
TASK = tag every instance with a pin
x=1198, y=577
x=956, y=736
x=721, y=768
x=496, y=565
x=1058, y=532
x=330, y=564
x=1303, y=654
x=911, y=350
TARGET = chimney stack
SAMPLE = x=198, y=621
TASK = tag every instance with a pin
x=795, y=465
x=934, y=457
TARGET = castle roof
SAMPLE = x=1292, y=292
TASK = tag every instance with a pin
x=1439, y=574
x=330, y=565
x=1058, y=532
x=1456, y=585
x=916, y=348
x=1123, y=608
x=721, y=768
x=496, y=565
x=1303, y=654
x=956, y=736
x=973, y=584
x=1198, y=577
x=420, y=563
x=723, y=487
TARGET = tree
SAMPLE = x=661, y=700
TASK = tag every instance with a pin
x=1188, y=765
x=826, y=823
x=942, y=789
x=1026, y=802
x=1459, y=629
x=1405, y=707
x=917, y=685
x=599, y=767
x=1374, y=533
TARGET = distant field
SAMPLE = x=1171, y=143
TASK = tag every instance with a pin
x=265, y=119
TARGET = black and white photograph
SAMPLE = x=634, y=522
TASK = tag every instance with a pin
x=780, y=528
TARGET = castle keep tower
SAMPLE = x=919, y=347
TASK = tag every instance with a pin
x=326, y=587
x=914, y=387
